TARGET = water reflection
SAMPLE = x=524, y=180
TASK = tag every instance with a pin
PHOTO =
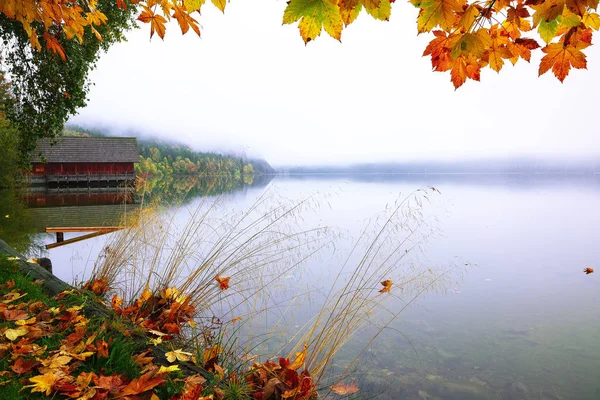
x=521, y=325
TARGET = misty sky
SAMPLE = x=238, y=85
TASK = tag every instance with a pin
x=250, y=84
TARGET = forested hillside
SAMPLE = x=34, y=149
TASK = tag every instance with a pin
x=158, y=158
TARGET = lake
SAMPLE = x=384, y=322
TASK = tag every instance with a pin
x=513, y=315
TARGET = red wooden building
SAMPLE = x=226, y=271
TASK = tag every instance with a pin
x=81, y=159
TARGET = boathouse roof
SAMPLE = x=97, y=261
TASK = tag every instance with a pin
x=87, y=150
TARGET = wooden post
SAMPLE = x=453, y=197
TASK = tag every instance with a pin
x=60, y=237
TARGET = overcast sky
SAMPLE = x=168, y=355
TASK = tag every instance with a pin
x=250, y=84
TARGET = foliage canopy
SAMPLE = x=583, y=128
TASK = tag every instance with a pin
x=49, y=46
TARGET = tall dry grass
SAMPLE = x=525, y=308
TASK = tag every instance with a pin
x=256, y=248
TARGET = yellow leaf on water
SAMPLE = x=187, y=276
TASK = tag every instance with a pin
x=344, y=389
x=13, y=334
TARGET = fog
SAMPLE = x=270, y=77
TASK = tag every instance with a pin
x=250, y=85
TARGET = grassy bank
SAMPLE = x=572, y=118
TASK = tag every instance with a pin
x=74, y=345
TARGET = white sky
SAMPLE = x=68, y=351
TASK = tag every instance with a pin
x=251, y=84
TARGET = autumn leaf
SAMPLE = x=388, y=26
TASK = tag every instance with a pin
x=588, y=270
x=220, y=4
x=29, y=321
x=145, y=383
x=13, y=334
x=56, y=361
x=14, y=315
x=54, y=46
x=498, y=49
x=223, y=282
x=300, y=357
x=157, y=22
x=102, y=349
x=22, y=366
x=464, y=67
x=561, y=58
x=440, y=13
x=591, y=20
x=313, y=16
x=344, y=389
x=164, y=370
x=382, y=12
x=211, y=353
x=178, y=355
x=522, y=48
x=42, y=383
x=185, y=21
x=116, y=302
x=387, y=285
x=193, y=5
x=547, y=10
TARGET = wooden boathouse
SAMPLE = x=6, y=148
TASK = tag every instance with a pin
x=85, y=160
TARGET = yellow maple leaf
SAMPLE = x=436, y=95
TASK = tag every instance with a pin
x=56, y=362
x=26, y=321
x=13, y=334
x=178, y=355
x=164, y=370
x=300, y=357
x=42, y=383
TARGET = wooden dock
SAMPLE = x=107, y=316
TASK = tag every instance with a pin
x=95, y=231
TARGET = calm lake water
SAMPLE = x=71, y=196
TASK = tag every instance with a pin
x=514, y=316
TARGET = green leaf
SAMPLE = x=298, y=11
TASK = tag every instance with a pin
x=547, y=30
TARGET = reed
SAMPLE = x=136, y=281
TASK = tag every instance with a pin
x=255, y=249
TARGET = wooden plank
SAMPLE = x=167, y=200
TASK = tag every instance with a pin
x=77, y=239
x=83, y=228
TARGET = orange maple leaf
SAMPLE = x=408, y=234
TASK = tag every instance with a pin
x=185, y=20
x=141, y=385
x=588, y=270
x=157, y=22
x=14, y=315
x=300, y=357
x=561, y=57
x=223, y=282
x=387, y=285
x=344, y=389
x=465, y=67
x=53, y=45
x=21, y=366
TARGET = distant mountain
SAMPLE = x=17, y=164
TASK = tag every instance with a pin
x=492, y=166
